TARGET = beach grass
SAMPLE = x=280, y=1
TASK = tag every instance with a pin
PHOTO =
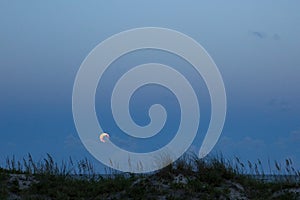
x=209, y=178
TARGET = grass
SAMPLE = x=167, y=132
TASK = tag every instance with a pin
x=208, y=178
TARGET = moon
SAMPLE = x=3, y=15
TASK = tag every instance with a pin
x=102, y=135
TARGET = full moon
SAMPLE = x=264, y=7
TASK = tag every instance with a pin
x=102, y=135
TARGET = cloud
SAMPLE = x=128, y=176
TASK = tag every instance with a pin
x=251, y=143
x=276, y=36
x=72, y=142
x=250, y=148
x=291, y=141
x=263, y=35
x=295, y=135
x=247, y=144
x=11, y=144
x=258, y=34
x=125, y=144
x=279, y=104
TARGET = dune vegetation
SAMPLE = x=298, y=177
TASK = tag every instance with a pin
x=187, y=178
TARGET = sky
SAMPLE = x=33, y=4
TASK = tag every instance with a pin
x=255, y=45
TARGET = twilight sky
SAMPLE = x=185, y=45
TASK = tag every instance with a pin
x=255, y=45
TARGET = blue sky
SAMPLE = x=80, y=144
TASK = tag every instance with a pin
x=255, y=45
